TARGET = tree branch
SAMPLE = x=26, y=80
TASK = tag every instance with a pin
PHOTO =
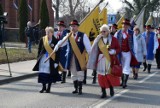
x=54, y=5
x=129, y=4
x=77, y=3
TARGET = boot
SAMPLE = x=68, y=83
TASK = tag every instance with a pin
x=103, y=93
x=134, y=74
x=111, y=91
x=94, y=76
x=64, y=77
x=125, y=79
x=69, y=74
x=75, y=86
x=122, y=77
x=43, y=88
x=149, y=68
x=85, y=77
x=49, y=88
x=145, y=66
x=80, y=87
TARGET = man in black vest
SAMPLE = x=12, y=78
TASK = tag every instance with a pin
x=77, y=43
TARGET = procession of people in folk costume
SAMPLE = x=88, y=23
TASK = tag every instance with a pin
x=113, y=55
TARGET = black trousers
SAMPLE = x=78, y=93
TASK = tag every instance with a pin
x=157, y=56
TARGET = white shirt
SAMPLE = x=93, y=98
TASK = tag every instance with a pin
x=56, y=34
x=105, y=40
x=156, y=44
x=124, y=35
x=86, y=42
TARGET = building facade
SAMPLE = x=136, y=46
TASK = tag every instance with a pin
x=12, y=6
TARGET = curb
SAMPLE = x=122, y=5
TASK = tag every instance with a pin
x=13, y=79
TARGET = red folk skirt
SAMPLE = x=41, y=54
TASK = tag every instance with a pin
x=105, y=81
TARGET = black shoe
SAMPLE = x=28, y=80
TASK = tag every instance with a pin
x=75, y=86
x=69, y=74
x=49, y=88
x=85, y=77
x=75, y=91
x=124, y=86
x=43, y=88
x=42, y=91
x=48, y=91
x=94, y=77
x=64, y=77
x=145, y=66
x=136, y=76
x=125, y=79
x=104, y=95
x=63, y=82
x=94, y=81
x=84, y=82
x=80, y=92
x=80, y=87
x=149, y=68
x=111, y=91
x=122, y=78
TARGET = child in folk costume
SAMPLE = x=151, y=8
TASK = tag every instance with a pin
x=48, y=71
x=103, y=57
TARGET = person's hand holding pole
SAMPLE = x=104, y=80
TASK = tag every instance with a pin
x=59, y=44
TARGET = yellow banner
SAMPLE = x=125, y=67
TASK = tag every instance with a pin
x=119, y=23
x=90, y=25
x=103, y=17
x=149, y=21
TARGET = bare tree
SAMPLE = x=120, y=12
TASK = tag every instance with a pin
x=73, y=5
x=69, y=7
x=56, y=4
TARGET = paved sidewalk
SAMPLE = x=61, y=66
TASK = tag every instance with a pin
x=19, y=70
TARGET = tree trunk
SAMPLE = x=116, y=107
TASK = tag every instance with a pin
x=57, y=10
x=71, y=9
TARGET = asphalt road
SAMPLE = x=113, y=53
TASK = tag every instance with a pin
x=141, y=93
